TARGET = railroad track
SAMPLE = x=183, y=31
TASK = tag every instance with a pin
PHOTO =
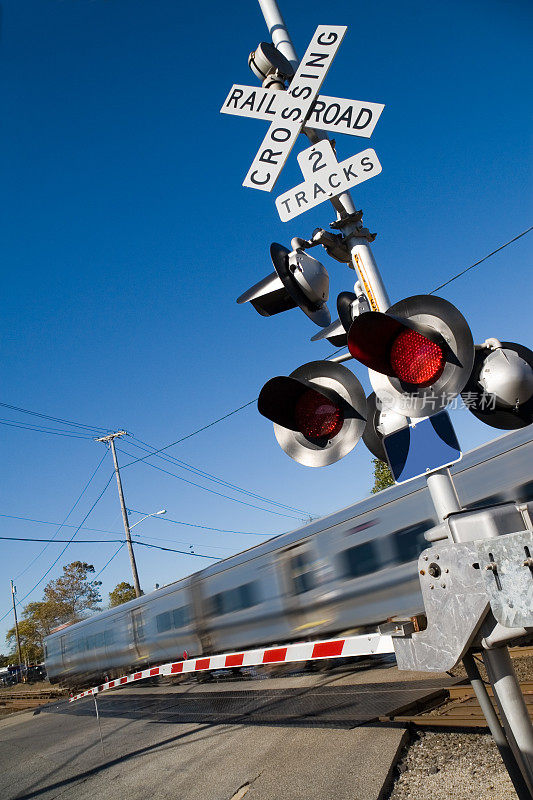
x=460, y=710
x=20, y=699
x=30, y=694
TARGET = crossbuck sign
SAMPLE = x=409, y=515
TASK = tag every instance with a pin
x=301, y=105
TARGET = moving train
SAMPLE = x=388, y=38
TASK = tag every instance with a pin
x=348, y=571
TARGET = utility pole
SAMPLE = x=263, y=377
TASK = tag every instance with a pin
x=13, y=592
x=111, y=441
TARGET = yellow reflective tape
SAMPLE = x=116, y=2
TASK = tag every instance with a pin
x=368, y=289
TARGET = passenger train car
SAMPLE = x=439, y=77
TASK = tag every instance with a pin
x=350, y=570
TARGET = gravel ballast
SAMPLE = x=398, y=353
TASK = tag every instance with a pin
x=462, y=766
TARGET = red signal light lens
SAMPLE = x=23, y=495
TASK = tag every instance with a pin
x=416, y=359
x=317, y=417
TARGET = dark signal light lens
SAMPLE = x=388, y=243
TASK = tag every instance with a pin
x=415, y=359
x=317, y=417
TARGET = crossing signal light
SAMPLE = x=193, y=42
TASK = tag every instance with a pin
x=298, y=281
x=419, y=353
x=499, y=391
x=318, y=411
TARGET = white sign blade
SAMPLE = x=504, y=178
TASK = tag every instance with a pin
x=251, y=101
x=304, y=88
x=327, y=183
x=353, y=117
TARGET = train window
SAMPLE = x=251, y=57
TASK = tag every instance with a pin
x=109, y=637
x=164, y=622
x=409, y=542
x=177, y=618
x=359, y=560
x=241, y=597
x=216, y=604
x=180, y=617
x=247, y=596
x=301, y=572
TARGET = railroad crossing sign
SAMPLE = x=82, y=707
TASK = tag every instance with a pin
x=324, y=178
x=289, y=111
x=354, y=117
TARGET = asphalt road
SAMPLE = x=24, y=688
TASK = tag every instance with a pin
x=294, y=737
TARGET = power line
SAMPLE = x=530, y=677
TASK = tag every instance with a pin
x=183, y=552
x=96, y=541
x=214, y=478
x=116, y=533
x=528, y=230
x=110, y=560
x=60, y=541
x=164, y=519
x=67, y=516
x=41, y=579
x=208, y=527
x=336, y=352
x=42, y=429
x=188, y=436
x=54, y=419
x=207, y=489
x=157, y=451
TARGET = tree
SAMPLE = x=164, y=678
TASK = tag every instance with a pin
x=382, y=476
x=65, y=600
x=31, y=643
x=72, y=593
x=122, y=592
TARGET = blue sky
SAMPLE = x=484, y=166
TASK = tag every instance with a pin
x=126, y=237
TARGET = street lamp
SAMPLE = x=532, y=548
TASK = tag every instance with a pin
x=128, y=527
x=155, y=514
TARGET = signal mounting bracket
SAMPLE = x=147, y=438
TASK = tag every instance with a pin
x=355, y=219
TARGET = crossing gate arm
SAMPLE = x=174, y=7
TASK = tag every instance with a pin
x=366, y=645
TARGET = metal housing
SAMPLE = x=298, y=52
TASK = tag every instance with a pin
x=335, y=382
x=496, y=413
x=298, y=280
